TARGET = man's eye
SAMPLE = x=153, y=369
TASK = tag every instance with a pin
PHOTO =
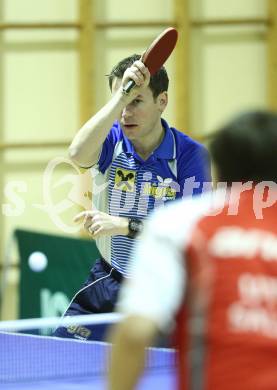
x=136, y=101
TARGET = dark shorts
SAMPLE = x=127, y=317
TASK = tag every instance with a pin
x=97, y=295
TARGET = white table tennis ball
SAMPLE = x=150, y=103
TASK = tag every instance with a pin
x=37, y=261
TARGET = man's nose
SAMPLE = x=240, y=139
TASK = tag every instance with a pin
x=127, y=112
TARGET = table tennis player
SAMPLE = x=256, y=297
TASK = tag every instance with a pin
x=142, y=162
x=221, y=288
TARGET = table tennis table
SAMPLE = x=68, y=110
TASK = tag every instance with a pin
x=42, y=362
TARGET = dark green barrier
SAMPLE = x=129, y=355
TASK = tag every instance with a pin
x=52, y=270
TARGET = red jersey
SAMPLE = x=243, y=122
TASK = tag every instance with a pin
x=227, y=324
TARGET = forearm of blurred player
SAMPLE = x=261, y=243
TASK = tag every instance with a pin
x=129, y=339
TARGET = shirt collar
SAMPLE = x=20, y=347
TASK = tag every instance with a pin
x=127, y=145
x=166, y=149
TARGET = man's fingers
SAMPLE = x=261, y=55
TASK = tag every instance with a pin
x=85, y=214
x=94, y=227
x=87, y=224
x=80, y=216
x=143, y=69
x=97, y=233
x=140, y=65
x=136, y=76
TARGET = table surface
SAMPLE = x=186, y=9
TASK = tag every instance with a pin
x=41, y=362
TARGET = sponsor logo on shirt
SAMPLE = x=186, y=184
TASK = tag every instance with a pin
x=160, y=190
x=125, y=180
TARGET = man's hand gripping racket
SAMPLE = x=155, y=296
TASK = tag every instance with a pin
x=157, y=53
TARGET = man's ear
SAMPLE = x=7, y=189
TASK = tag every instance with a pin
x=162, y=100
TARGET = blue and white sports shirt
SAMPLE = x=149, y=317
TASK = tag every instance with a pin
x=127, y=186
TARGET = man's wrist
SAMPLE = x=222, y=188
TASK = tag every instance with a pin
x=123, y=226
x=130, y=227
x=124, y=97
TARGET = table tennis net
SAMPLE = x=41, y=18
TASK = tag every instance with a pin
x=32, y=357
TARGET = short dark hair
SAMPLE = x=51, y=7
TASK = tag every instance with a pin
x=245, y=148
x=158, y=82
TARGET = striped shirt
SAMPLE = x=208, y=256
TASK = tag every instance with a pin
x=127, y=186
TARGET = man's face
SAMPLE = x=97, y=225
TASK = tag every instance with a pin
x=140, y=117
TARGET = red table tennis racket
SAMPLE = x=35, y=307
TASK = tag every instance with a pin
x=157, y=53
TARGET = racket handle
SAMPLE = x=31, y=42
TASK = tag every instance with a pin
x=128, y=87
